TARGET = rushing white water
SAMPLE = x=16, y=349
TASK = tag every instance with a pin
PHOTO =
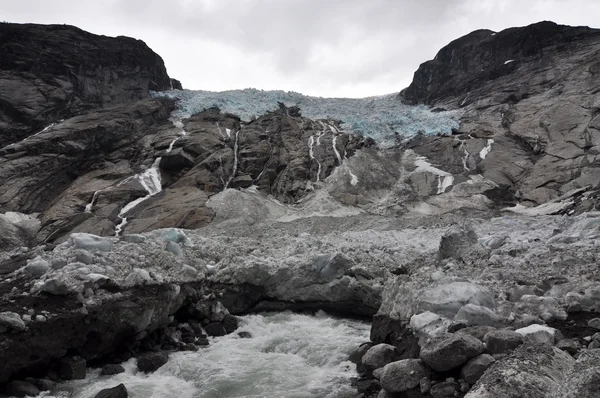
x=289, y=356
x=235, y=157
x=311, y=154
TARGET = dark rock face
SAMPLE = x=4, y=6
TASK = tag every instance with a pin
x=531, y=90
x=17, y=388
x=474, y=60
x=51, y=72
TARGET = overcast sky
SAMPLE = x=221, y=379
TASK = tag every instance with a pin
x=343, y=48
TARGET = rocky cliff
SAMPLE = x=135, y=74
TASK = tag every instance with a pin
x=531, y=109
x=52, y=72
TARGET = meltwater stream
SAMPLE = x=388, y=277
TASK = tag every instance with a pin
x=288, y=356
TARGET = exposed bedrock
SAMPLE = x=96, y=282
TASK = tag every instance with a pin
x=52, y=72
x=531, y=110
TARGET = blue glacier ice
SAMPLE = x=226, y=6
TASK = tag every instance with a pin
x=383, y=118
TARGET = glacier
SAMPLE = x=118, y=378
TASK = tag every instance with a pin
x=385, y=119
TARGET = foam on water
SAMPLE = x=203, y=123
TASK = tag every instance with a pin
x=289, y=356
x=383, y=118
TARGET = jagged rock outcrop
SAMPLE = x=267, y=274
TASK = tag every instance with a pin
x=531, y=120
x=52, y=72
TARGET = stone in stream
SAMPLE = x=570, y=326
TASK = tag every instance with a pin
x=116, y=392
x=378, y=356
x=111, y=370
x=151, y=361
x=72, y=368
x=215, y=329
x=19, y=388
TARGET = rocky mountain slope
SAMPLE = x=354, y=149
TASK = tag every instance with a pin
x=530, y=95
x=133, y=226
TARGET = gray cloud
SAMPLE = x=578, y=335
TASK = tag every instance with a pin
x=319, y=47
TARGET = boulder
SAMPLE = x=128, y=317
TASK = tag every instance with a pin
x=403, y=375
x=476, y=315
x=357, y=355
x=12, y=320
x=151, y=361
x=502, y=341
x=539, y=334
x=532, y=371
x=445, y=389
x=450, y=351
x=215, y=329
x=594, y=323
x=111, y=370
x=476, y=367
x=116, y=392
x=55, y=287
x=378, y=356
x=18, y=388
x=584, y=379
x=72, y=368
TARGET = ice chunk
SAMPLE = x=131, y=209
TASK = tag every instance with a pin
x=91, y=242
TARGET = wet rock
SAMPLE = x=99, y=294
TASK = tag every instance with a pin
x=230, y=323
x=403, y=375
x=111, y=369
x=42, y=384
x=248, y=335
x=215, y=329
x=18, y=388
x=476, y=367
x=119, y=391
x=12, y=320
x=378, y=356
x=72, y=368
x=450, y=351
x=357, y=355
x=476, y=315
x=151, y=361
x=502, y=341
x=190, y=347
